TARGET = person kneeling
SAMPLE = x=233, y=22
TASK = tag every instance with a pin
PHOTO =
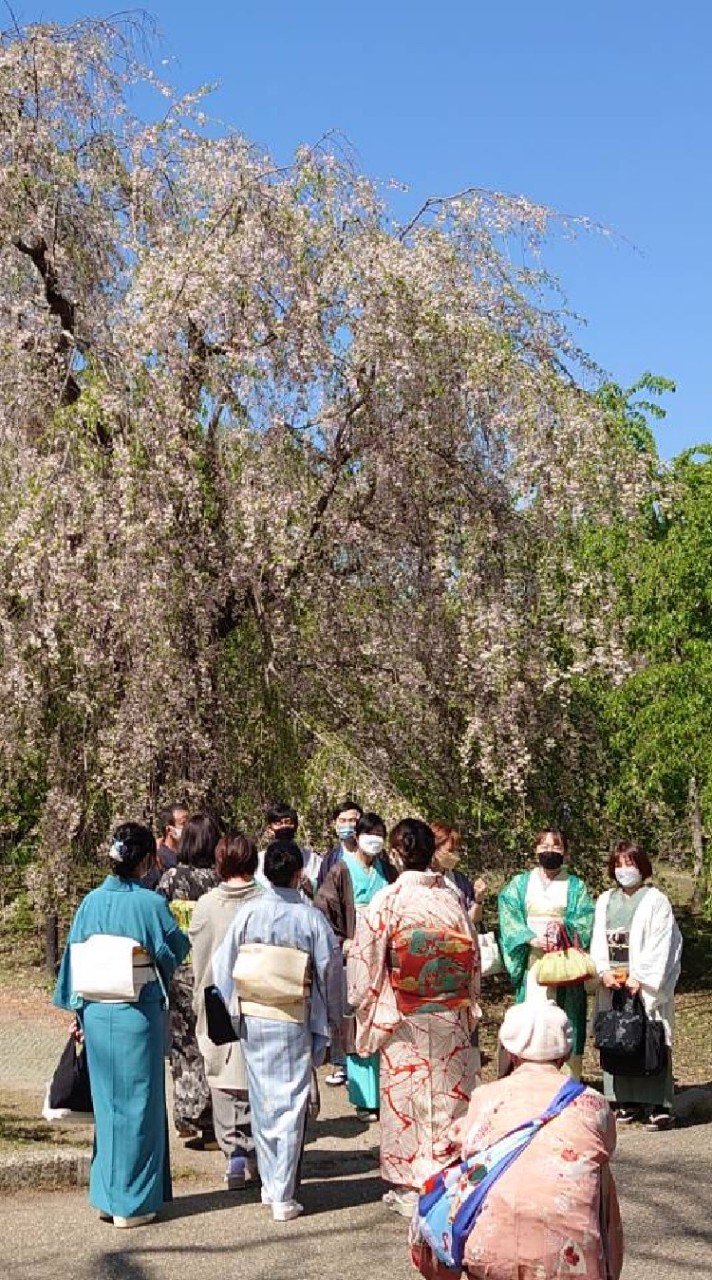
x=539, y=1151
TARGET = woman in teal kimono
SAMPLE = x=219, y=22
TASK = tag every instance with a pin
x=130, y=1170
x=347, y=890
x=529, y=905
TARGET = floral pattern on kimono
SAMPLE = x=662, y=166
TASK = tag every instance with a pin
x=428, y=1064
x=182, y=886
x=542, y=1217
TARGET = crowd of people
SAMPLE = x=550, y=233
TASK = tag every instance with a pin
x=367, y=957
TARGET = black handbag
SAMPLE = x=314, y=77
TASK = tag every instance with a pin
x=620, y=1030
x=217, y=1017
x=70, y=1087
x=630, y=1043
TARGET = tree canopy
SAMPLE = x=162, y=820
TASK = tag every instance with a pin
x=294, y=493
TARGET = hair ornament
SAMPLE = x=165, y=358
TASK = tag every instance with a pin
x=118, y=851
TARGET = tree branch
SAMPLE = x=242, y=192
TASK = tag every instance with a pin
x=59, y=305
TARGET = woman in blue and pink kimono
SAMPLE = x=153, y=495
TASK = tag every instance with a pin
x=130, y=1176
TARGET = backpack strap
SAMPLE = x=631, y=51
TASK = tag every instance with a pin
x=466, y=1216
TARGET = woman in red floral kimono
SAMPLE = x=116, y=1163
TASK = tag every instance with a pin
x=413, y=974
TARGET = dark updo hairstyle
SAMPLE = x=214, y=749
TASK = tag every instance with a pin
x=283, y=858
x=414, y=841
x=236, y=855
x=636, y=855
x=198, y=840
x=130, y=844
x=371, y=824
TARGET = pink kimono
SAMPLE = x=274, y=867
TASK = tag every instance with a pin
x=554, y=1213
x=413, y=973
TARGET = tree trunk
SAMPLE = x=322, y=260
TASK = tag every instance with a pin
x=699, y=870
x=52, y=944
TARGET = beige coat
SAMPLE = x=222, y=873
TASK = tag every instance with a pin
x=212, y=917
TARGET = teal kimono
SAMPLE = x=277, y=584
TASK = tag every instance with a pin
x=130, y=1169
x=515, y=937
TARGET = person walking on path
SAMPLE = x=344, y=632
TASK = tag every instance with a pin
x=130, y=928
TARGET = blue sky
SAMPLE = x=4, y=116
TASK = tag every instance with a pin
x=599, y=109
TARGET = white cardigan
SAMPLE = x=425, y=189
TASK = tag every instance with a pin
x=655, y=952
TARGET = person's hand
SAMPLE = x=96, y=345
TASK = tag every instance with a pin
x=480, y=887
x=76, y=1032
x=610, y=980
x=632, y=985
x=306, y=886
x=346, y=947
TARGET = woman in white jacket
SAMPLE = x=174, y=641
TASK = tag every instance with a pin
x=637, y=944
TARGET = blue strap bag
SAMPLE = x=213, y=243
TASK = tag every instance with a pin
x=452, y=1199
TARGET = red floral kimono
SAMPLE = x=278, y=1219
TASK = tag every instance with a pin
x=413, y=975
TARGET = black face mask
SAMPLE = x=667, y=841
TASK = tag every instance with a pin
x=285, y=833
x=550, y=860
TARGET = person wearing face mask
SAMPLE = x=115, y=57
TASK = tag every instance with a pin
x=349, y=887
x=636, y=944
x=171, y=822
x=448, y=843
x=282, y=821
x=344, y=818
x=531, y=907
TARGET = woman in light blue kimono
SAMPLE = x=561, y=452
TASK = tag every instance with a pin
x=284, y=1019
x=130, y=1175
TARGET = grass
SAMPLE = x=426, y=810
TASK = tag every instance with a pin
x=22, y=1128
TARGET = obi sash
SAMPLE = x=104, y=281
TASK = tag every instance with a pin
x=110, y=968
x=272, y=982
x=430, y=969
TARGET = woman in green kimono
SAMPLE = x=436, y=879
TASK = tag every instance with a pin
x=529, y=904
x=130, y=1175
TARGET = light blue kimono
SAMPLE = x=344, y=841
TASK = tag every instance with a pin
x=279, y=1055
x=130, y=1170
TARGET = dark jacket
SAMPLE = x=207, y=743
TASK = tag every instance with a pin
x=335, y=899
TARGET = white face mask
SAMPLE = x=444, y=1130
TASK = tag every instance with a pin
x=628, y=877
x=371, y=846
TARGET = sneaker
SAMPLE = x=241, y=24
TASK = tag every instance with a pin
x=370, y=1117
x=387, y=1197
x=659, y=1120
x=240, y=1171
x=404, y=1202
x=285, y=1210
x=141, y=1220
x=337, y=1076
